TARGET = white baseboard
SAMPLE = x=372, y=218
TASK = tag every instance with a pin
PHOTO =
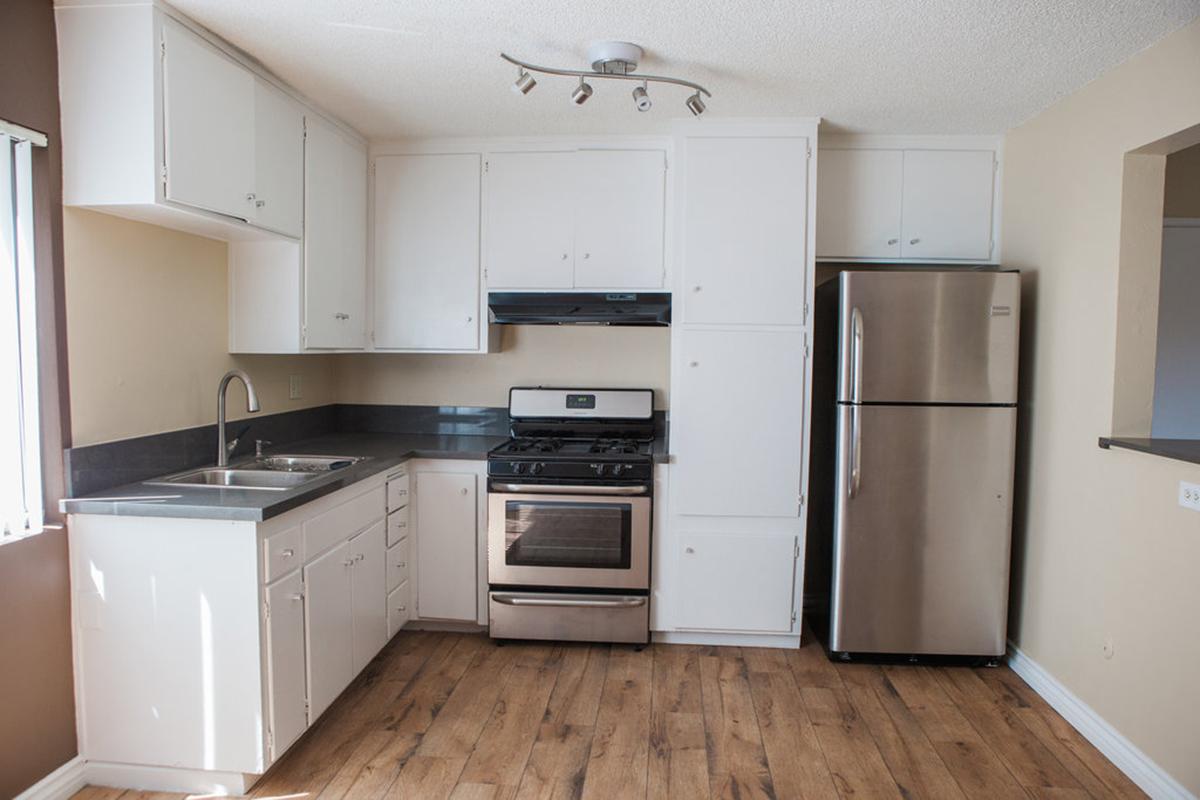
x=727, y=639
x=1149, y=776
x=168, y=779
x=60, y=784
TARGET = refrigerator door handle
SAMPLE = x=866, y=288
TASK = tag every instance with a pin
x=855, y=451
x=856, y=355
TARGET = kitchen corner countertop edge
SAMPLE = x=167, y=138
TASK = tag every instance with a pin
x=1187, y=450
x=383, y=451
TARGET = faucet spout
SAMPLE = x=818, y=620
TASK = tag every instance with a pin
x=251, y=405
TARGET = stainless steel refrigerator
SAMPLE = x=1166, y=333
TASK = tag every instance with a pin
x=925, y=420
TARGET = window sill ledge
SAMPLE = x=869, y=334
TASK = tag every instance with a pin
x=1176, y=449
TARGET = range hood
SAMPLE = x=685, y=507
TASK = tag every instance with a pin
x=580, y=308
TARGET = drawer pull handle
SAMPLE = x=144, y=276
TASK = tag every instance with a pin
x=689, y=550
x=297, y=596
x=400, y=608
x=402, y=565
x=288, y=553
x=349, y=562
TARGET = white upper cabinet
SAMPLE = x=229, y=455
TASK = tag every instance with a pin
x=278, y=161
x=948, y=204
x=530, y=221
x=930, y=203
x=619, y=207
x=209, y=134
x=166, y=124
x=426, y=251
x=744, y=233
x=335, y=238
x=579, y=219
x=738, y=394
x=858, y=203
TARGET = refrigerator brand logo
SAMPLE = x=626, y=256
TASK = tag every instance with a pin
x=1001, y=311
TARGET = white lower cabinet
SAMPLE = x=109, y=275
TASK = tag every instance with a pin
x=734, y=582
x=399, y=607
x=367, y=593
x=329, y=636
x=447, y=545
x=286, y=685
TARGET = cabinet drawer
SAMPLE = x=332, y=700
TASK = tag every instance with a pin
x=397, y=564
x=397, y=492
x=283, y=554
x=341, y=522
x=399, y=608
x=397, y=527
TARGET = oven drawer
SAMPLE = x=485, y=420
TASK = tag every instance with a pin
x=569, y=617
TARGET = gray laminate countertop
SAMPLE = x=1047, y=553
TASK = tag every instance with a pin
x=383, y=451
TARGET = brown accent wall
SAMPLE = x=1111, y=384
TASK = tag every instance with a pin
x=37, y=709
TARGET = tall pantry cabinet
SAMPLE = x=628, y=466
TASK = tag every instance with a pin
x=740, y=380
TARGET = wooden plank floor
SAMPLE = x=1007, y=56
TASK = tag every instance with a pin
x=442, y=715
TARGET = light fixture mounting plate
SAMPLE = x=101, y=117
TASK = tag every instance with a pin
x=614, y=58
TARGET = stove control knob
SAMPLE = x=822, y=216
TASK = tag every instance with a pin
x=518, y=467
x=599, y=468
x=535, y=468
x=618, y=469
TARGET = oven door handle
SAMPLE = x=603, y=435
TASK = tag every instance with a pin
x=538, y=488
x=563, y=602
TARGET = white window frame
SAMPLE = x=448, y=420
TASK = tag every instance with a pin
x=21, y=503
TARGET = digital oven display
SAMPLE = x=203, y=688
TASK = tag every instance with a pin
x=581, y=401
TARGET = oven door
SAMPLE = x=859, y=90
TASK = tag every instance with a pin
x=595, y=537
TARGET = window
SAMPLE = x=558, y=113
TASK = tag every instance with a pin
x=20, y=440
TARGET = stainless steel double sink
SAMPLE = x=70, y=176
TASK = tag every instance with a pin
x=268, y=473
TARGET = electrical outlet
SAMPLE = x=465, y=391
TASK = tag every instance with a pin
x=294, y=391
x=1189, y=495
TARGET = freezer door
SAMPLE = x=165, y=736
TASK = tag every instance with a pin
x=922, y=529
x=928, y=337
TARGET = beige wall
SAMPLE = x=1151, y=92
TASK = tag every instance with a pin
x=1102, y=548
x=147, y=333
x=1183, y=184
x=529, y=356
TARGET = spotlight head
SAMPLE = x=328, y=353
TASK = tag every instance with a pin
x=695, y=105
x=524, y=83
x=641, y=98
x=581, y=93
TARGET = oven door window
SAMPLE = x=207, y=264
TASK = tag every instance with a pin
x=568, y=534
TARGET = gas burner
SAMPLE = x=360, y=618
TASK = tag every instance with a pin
x=533, y=445
x=614, y=446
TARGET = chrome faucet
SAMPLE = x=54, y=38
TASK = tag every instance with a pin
x=251, y=406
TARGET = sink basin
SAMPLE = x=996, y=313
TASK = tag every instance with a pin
x=218, y=478
x=294, y=463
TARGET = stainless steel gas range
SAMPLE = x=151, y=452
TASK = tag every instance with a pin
x=569, y=516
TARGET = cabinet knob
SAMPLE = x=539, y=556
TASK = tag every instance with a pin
x=349, y=562
x=469, y=319
x=892, y=241
x=341, y=315
x=697, y=288
x=259, y=203
x=587, y=255
x=250, y=197
x=689, y=550
x=694, y=364
x=914, y=241
x=462, y=491
x=288, y=553
x=564, y=258
x=400, y=608
x=402, y=565
x=296, y=597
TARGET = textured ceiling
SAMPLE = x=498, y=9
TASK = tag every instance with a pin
x=395, y=69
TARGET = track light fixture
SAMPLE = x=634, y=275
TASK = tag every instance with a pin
x=641, y=98
x=524, y=83
x=610, y=61
x=581, y=93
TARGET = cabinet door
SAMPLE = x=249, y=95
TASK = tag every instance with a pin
x=427, y=252
x=744, y=230
x=278, y=161
x=530, y=208
x=286, y=687
x=948, y=204
x=335, y=239
x=368, y=594
x=619, y=219
x=736, y=582
x=446, y=545
x=329, y=639
x=208, y=125
x=858, y=203
x=736, y=423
